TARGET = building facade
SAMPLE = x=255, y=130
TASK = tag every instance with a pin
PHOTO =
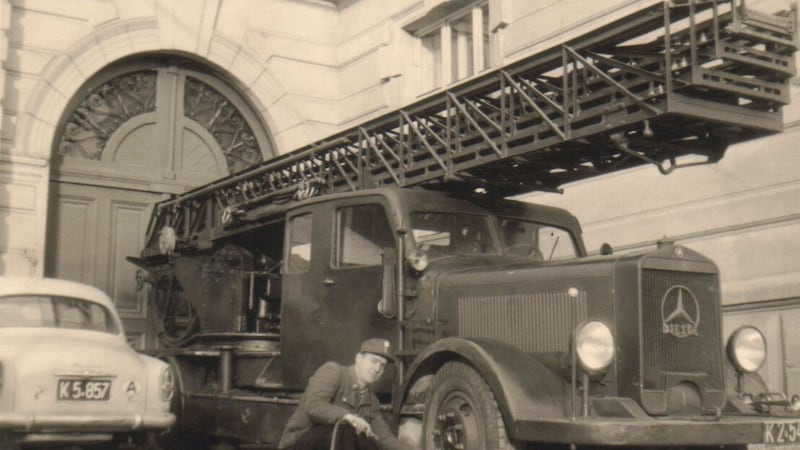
x=111, y=105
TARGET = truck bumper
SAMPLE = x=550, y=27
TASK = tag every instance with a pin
x=114, y=423
x=656, y=432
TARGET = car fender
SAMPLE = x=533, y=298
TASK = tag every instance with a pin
x=177, y=403
x=522, y=385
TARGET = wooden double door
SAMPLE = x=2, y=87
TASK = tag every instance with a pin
x=145, y=130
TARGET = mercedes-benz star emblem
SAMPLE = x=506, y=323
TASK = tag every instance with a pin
x=680, y=312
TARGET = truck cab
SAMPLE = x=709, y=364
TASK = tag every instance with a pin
x=341, y=283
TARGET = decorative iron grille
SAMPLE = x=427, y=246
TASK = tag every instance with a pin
x=104, y=110
x=214, y=112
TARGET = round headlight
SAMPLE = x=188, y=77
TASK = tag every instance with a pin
x=747, y=349
x=594, y=345
x=418, y=259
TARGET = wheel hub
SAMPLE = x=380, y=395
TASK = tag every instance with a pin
x=456, y=426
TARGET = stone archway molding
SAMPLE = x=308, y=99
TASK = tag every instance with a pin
x=63, y=76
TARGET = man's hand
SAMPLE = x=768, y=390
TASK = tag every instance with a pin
x=360, y=425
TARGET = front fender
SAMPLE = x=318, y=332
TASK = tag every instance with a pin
x=522, y=385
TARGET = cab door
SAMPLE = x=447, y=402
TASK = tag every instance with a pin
x=332, y=283
x=354, y=275
x=300, y=292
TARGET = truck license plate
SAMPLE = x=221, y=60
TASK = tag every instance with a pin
x=72, y=389
x=781, y=433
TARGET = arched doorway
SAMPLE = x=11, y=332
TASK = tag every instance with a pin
x=137, y=131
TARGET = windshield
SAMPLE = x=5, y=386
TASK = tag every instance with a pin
x=43, y=311
x=452, y=234
x=535, y=240
x=443, y=234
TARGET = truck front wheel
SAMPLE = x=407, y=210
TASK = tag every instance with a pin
x=462, y=413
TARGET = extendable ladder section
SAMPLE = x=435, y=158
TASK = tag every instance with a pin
x=673, y=84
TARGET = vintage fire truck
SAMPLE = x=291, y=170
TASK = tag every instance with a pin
x=509, y=333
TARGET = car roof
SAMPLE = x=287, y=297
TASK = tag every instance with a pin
x=14, y=285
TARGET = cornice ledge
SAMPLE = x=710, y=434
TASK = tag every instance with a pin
x=27, y=160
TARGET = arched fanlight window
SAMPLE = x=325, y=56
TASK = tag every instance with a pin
x=170, y=117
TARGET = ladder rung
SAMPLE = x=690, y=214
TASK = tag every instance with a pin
x=765, y=37
x=771, y=22
x=746, y=87
x=766, y=60
x=763, y=32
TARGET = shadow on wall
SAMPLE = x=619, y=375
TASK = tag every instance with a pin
x=19, y=254
x=20, y=213
x=18, y=204
x=51, y=235
x=4, y=218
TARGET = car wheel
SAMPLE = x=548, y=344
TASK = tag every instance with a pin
x=462, y=413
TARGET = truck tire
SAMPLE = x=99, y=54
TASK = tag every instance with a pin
x=462, y=412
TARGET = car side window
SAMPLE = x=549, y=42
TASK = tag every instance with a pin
x=362, y=232
x=299, y=258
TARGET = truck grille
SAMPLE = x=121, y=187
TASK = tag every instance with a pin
x=664, y=352
x=540, y=322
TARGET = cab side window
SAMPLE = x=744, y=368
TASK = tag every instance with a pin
x=299, y=256
x=362, y=232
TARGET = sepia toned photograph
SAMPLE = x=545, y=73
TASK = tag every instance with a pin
x=399, y=224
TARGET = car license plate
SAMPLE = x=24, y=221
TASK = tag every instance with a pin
x=781, y=433
x=81, y=389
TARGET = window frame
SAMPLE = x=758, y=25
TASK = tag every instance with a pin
x=565, y=231
x=482, y=53
x=336, y=246
x=290, y=235
x=486, y=218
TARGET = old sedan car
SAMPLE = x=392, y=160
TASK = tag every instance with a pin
x=67, y=374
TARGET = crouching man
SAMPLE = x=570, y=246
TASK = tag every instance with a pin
x=343, y=395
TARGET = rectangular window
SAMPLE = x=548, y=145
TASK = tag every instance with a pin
x=555, y=244
x=462, y=47
x=485, y=55
x=362, y=232
x=456, y=47
x=299, y=244
x=535, y=240
x=441, y=234
x=432, y=60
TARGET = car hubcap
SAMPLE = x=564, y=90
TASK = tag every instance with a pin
x=456, y=425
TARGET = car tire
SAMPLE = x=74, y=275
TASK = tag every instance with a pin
x=462, y=413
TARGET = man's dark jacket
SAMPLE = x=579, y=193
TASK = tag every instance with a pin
x=332, y=393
